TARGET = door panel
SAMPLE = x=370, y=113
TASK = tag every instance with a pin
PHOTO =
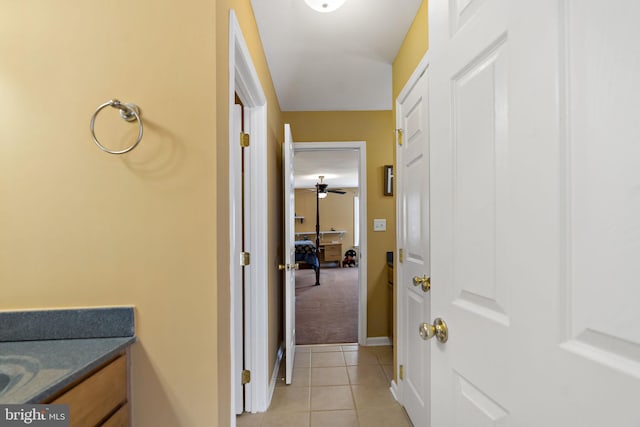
x=413, y=202
x=289, y=253
x=602, y=216
x=535, y=212
x=479, y=148
x=600, y=332
x=416, y=231
x=469, y=200
x=472, y=404
x=461, y=12
x=416, y=371
x=480, y=184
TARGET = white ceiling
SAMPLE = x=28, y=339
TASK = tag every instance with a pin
x=333, y=61
x=339, y=168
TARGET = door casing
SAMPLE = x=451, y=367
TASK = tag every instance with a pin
x=361, y=147
x=244, y=80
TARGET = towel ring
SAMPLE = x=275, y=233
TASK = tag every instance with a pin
x=128, y=112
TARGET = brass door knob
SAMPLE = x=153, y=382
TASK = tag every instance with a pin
x=438, y=329
x=424, y=281
x=282, y=267
x=288, y=266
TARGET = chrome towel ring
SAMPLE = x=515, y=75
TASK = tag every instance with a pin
x=129, y=112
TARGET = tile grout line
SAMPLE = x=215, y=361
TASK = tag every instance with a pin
x=378, y=362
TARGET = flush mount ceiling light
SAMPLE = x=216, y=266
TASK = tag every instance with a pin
x=325, y=5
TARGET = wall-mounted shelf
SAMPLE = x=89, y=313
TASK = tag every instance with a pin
x=340, y=233
x=301, y=218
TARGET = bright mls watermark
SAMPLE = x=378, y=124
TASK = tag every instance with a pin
x=34, y=415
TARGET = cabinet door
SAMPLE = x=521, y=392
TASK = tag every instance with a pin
x=96, y=397
x=333, y=252
x=120, y=418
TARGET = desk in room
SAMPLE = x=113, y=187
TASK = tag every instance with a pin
x=331, y=252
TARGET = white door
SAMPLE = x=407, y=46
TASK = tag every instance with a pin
x=289, y=254
x=413, y=239
x=241, y=279
x=535, y=212
x=238, y=282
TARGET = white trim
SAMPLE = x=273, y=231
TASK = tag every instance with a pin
x=257, y=318
x=394, y=390
x=402, y=329
x=276, y=369
x=356, y=221
x=378, y=341
x=361, y=146
x=244, y=80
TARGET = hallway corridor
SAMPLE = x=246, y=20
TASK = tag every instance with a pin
x=334, y=386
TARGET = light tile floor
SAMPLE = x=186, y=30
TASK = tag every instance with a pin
x=334, y=386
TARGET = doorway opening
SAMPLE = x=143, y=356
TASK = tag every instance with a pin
x=330, y=199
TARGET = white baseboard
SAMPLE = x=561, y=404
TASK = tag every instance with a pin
x=376, y=341
x=274, y=374
x=394, y=390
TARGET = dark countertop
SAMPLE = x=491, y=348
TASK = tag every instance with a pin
x=43, y=351
x=61, y=362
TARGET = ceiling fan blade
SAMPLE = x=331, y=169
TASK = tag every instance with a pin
x=337, y=191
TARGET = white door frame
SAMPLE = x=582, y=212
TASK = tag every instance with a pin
x=361, y=147
x=244, y=80
x=402, y=329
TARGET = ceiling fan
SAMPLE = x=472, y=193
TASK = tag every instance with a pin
x=322, y=189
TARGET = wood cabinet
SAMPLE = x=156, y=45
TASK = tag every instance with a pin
x=120, y=418
x=100, y=398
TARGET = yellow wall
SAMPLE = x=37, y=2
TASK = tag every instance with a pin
x=413, y=49
x=80, y=227
x=376, y=128
x=336, y=211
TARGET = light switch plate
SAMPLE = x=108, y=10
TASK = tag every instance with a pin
x=379, y=225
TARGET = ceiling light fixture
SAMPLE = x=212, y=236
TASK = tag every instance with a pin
x=325, y=5
x=321, y=188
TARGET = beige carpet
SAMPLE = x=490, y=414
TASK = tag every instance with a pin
x=328, y=313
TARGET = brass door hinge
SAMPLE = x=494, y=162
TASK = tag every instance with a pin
x=246, y=377
x=244, y=139
x=245, y=258
x=401, y=372
x=401, y=255
x=399, y=136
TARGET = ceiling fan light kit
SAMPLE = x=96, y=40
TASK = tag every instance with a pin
x=325, y=6
x=322, y=189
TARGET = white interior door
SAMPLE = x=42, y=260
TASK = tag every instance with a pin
x=289, y=253
x=413, y=238
x=535, y=212
x=238, y=283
